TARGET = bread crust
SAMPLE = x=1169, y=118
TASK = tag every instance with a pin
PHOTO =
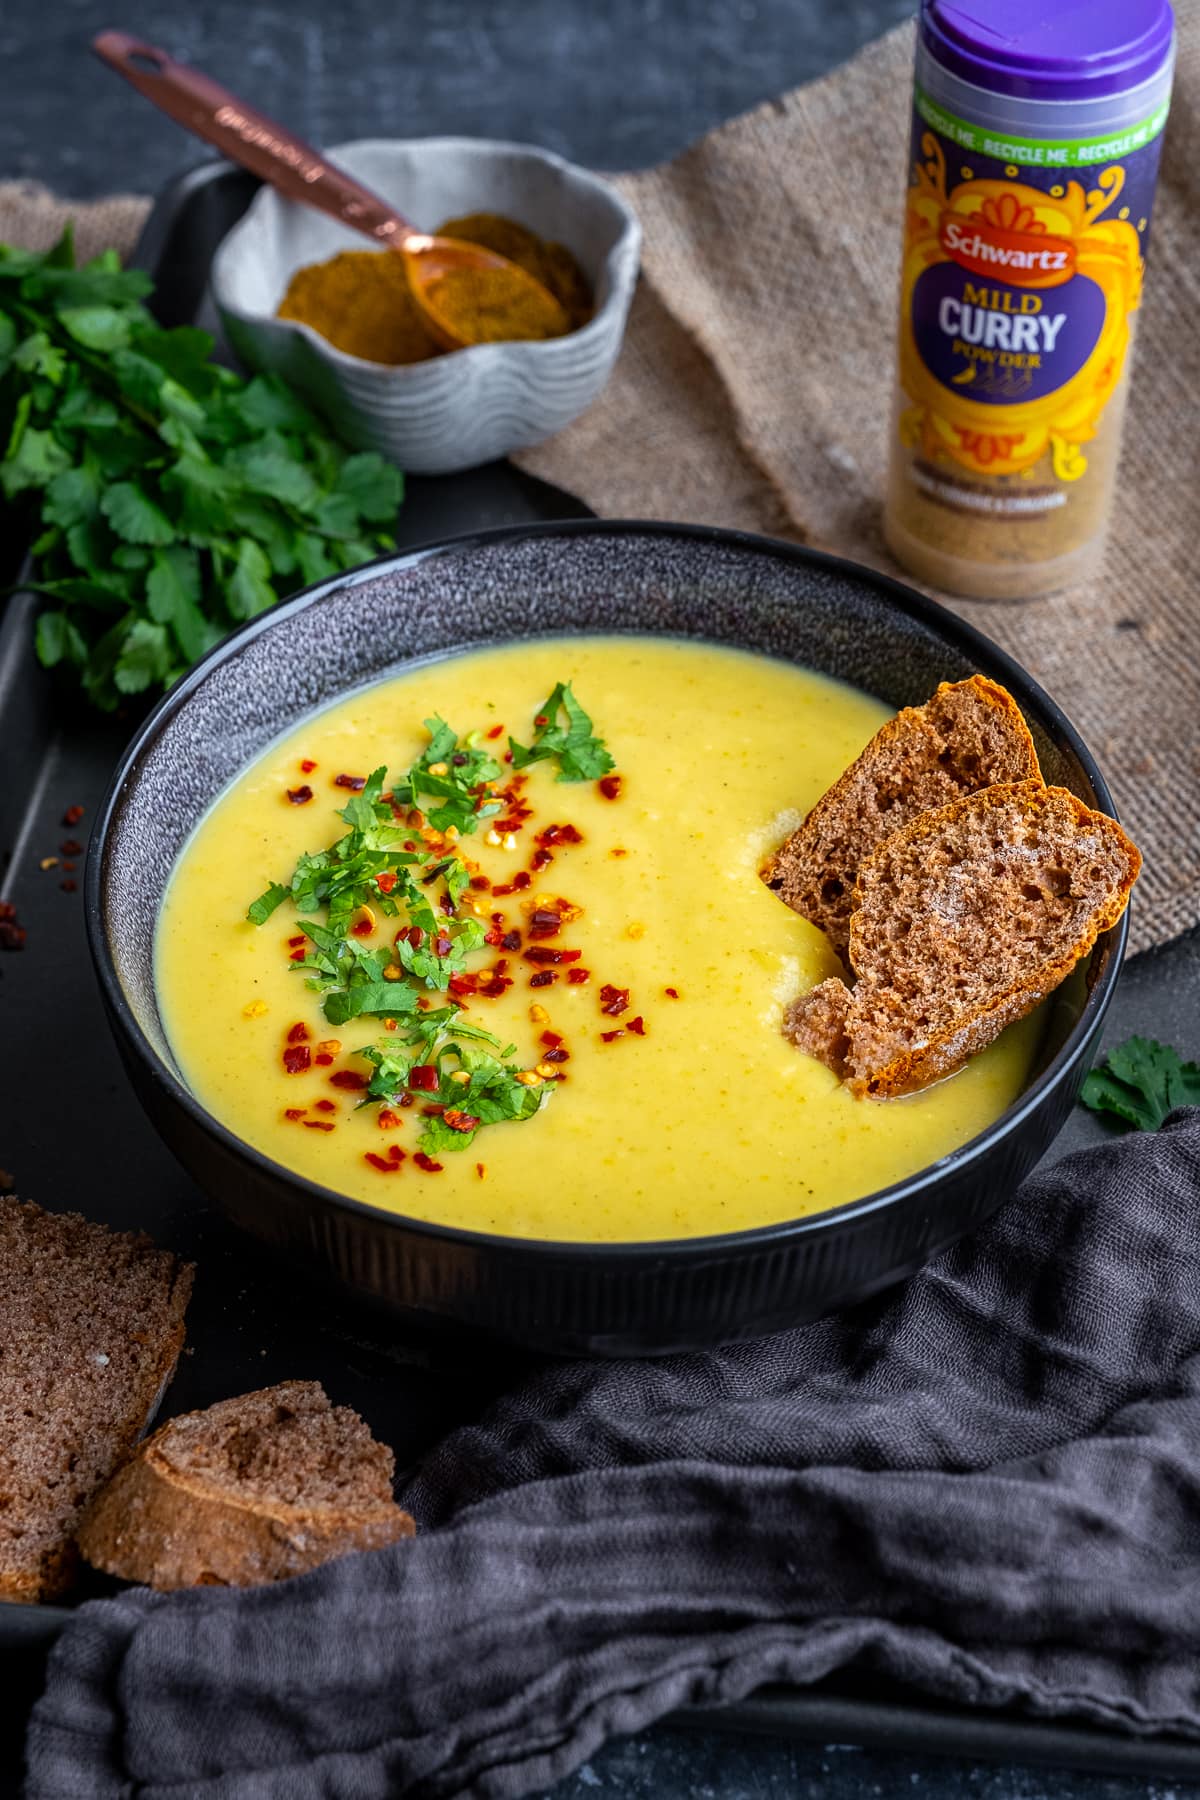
x=815, y=870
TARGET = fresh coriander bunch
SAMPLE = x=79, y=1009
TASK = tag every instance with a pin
x=169, y=498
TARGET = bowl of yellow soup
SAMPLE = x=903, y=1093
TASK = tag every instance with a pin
x=427, y=915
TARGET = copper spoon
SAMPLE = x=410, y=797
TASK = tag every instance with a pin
x=299, y=172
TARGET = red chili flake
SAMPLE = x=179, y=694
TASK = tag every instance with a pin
x=71, y=847
x=389, y=1024
x=356, y=783
x=317, y=1125
x=432, y=1112
x=496, y=731
x=541, y=859
x=543, y=978
x=443, y=945
x=406, y=1100
x=297, y=1059
x=68, y=887
x=577, y=976
x=423, y=1077
x=461, y=985
x=307, y=766
x=361, y=928
x=610, y=786
x=459, y=1121
x=294, y=1112
x=497, y=918
x=511, y=940
x=326, y=1106
x=72, y=815
x=638, y=1026
x=389, y=1164
x=671, y=993
x=323, y=1059
x=300, y=796
x=293, y=941
x=506, y=887
x=556, y=1056
x=542, y=719
x=481, y=1170
x=427, y=1163
x=408, y=844
x=480, y=883
x=297, y=955
x=508, y=756
x=553, y=1038
x=559, y=834
x=348, y=1078
x=609, y=1037
x=549, y=953
x=447, y=905
x=388, y=1120
x=414, y=935
x=618, y=852
x=385, y=881
x=613, y=1000
x=70, y=866
x=299, y=1034
x=522, y=881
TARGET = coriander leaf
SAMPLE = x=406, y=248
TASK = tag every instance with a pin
x=277, y=473
x=374, y=486
x=38, y=458
x=144, y=658
x=97, y=327
x=173, y=597
x=260, y=910
x=85, y=409
x=134, y=516
x=72, y=497
x=265, y=404
x=250, y=589
x=58, y=640
x=314, y=559
x=1141, y=1082
x=39, y=355
x=581, y=755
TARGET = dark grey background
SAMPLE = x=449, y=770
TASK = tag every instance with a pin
x=614, y=83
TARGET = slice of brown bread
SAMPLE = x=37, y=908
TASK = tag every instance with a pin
x=966, y=919
x=968, y=736
x=91, y=1326
x=251, y=1490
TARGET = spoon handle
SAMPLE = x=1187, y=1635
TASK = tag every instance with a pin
x=248, y=137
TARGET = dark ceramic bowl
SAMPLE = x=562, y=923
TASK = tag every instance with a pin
x=501, y=585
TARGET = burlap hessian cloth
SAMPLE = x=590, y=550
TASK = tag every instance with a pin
x=754, y=390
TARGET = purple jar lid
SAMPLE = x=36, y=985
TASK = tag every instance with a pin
x=1050, y=49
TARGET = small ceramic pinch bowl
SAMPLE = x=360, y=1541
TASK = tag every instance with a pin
x=472, y=405
x=500, y=587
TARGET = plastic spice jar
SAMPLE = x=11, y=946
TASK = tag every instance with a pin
x=1037, y=130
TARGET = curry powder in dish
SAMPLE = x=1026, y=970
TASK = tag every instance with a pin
x=361, y=303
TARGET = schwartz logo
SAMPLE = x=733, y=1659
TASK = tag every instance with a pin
x=1005, y=238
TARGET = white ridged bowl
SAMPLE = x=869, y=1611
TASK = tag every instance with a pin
x=454, y=411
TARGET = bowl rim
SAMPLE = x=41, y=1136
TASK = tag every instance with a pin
x=621, y=1252
x=621, y=261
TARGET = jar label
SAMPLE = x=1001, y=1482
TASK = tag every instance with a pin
x=1018, y=284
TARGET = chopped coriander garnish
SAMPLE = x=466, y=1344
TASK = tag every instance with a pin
x=581, y=755
x=451, y=773
x=441, y=1041
x=261, y=909
x=1141, y=1081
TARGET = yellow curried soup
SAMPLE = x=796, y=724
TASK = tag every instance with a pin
x=709, y=1121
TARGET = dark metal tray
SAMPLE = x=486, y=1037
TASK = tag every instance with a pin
x=80, y=1139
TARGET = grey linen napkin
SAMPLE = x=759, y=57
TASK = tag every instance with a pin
x=985, y=1483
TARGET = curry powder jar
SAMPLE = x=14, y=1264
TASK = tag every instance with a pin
x=1036, y=135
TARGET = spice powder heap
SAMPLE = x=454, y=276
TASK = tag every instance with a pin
x=360, y=300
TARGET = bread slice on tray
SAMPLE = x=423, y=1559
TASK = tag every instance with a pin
x=251, y=1490
x=966, y=919
x=91, y=1326
x=968, y=736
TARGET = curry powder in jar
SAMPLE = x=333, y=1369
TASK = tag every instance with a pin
x=1036, y=136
